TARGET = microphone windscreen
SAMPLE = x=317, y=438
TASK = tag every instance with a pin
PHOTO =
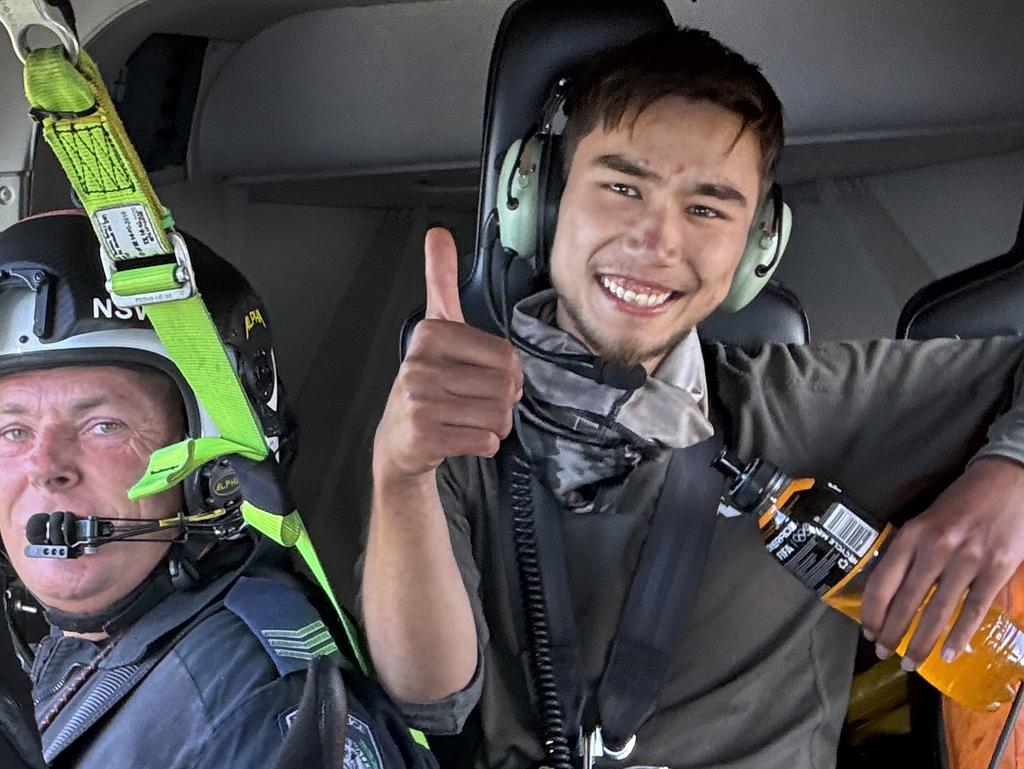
x=35, y=529
x=61, y=528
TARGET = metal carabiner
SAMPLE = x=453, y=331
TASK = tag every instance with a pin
x=593, y=747
x=19, y=16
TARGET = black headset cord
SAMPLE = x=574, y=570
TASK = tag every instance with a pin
x=557, y=750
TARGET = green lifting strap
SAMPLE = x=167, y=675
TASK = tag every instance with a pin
x=90, y=142
x=81, y=125
x=290, y=531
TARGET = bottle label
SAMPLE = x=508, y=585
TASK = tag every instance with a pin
x=849, y=529
x=824, y=550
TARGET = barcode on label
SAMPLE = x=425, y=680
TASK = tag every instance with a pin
x=847, y=527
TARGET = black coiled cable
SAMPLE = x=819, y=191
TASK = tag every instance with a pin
x=557, y=750
x=558, y=754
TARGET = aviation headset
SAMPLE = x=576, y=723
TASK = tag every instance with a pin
x=530, y=188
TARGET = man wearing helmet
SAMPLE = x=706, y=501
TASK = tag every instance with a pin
x=670, y=144
x=182, y=651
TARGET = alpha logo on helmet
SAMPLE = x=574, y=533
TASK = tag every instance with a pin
x=226, y=485
x=253, y=318
x=105, y=308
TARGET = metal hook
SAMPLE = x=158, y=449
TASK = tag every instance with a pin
x=19, y=16
x=593, y=747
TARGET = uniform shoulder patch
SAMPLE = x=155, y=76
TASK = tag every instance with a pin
x=361, y=751
x=283, y=620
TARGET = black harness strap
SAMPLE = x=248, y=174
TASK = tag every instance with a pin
x=661, y=595
x=109, y=688
x=663, y=592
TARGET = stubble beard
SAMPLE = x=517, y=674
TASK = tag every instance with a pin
x=619, y=354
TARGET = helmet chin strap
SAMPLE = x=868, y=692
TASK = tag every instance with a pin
x=176, y=571
x=154, y=588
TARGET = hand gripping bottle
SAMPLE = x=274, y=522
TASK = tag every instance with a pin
x=831, y=545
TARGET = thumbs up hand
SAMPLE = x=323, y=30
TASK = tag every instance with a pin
x=442, y=276
x=456, y=388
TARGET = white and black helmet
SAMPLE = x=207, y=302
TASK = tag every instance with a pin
x=55, y=311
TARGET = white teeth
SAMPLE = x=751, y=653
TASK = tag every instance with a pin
x=634, y=297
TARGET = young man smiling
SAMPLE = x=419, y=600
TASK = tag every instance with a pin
x=671, y=144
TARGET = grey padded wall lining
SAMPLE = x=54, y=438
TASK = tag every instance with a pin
x=338, y=282
x=377, y=87
x=850, y=67
x=354, y=88
x=862, y=246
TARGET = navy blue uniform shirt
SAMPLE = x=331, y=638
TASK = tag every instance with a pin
x=209, y=678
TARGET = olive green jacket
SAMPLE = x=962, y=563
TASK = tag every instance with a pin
x=762, y=678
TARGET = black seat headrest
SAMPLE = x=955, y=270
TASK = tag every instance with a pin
x=538, y=42
x=775, y=315
x=980, y=301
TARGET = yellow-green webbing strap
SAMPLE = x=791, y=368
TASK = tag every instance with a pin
x=290, y=531
x=81, y=125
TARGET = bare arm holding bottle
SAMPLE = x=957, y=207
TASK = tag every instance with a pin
x=966, y=546
x=896, y=424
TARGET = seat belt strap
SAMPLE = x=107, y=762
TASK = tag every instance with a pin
x=661, y=596
x=663, y=592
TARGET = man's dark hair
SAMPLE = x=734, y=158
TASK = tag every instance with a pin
x=622, y=82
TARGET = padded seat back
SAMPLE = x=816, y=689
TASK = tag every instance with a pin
x=775, y=315
x=984, y=300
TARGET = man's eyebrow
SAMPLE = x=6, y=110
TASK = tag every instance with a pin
x=721, y=192
x=626, y=166
x=80, y=407
x=629, y=167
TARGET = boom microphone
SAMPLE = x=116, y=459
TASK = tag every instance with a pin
x=35, y=529
x=61, y=534
x=65, y=535
x=588, y=366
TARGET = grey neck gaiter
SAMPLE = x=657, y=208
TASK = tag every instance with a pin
x=580, y=433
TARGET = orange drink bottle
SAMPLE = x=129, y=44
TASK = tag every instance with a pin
x=831, y=546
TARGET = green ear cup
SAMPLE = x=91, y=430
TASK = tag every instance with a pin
x=517, y=198
x=761, y=256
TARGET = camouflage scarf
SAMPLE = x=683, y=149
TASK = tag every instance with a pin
x=612, y=430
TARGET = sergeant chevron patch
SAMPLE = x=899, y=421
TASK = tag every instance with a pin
x=309, y=642
x=284, y=621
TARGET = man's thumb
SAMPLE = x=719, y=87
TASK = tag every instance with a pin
x=442, y=276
